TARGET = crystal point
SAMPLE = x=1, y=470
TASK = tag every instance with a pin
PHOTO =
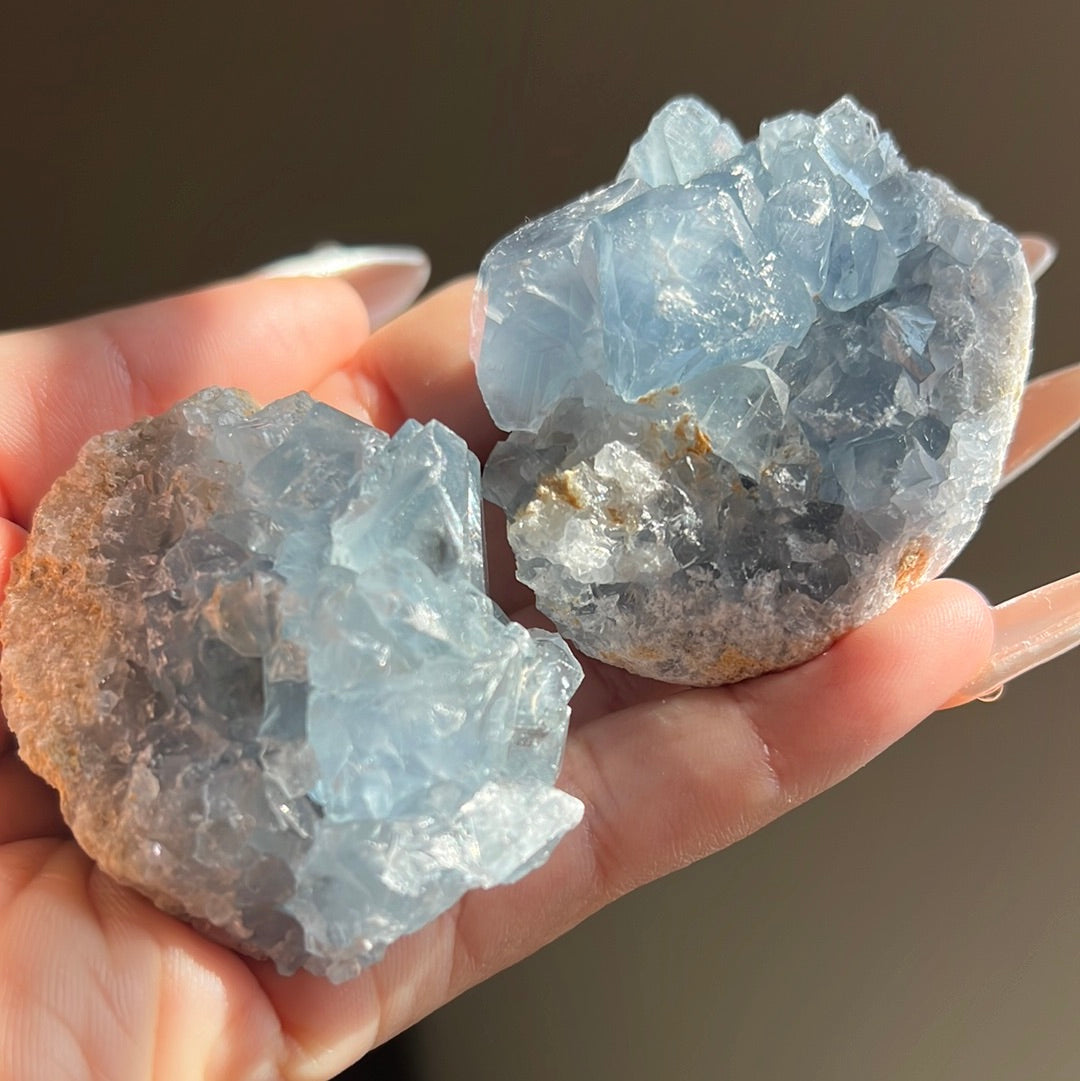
x=756, y=390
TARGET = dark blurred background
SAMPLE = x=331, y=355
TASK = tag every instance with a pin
x=921, y=921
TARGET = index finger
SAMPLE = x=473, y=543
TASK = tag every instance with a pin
x=419, y=366
x=61, y=385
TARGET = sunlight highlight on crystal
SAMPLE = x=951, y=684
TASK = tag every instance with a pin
x=756, y=390
x=253, y=651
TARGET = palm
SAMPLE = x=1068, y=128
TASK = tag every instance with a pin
x=94, y=981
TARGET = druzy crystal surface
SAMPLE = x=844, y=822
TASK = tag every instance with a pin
x=253, y=651
x=756, y=390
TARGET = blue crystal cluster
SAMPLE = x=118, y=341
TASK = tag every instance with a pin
x=253, y=650
x=757, y=390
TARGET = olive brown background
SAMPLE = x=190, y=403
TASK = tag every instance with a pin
x=922, y=920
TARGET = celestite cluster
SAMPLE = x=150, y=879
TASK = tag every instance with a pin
x=253, y=651
x=757, y=390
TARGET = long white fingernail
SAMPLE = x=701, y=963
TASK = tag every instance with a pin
x=1039, y=253
x=388, y=278
x=1049, y=414
x=1028, y=631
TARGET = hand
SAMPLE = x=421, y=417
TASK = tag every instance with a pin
x=95, y=981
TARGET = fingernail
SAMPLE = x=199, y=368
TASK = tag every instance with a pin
x=1039, y=253
x=388, y=278
x=1050, y=413
x=1028, y=631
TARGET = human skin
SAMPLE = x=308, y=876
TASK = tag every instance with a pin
x=96, y=982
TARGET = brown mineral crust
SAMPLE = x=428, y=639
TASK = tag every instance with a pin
x=691, y=441
x=643, y=655
x=144, y=622
x=912, y=566
x=669, y=441
x=654, y=395
x=562, y=489
x=57, y=630
x=731, y=666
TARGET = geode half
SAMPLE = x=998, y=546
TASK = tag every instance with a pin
x=253, y=651
x=757, y=390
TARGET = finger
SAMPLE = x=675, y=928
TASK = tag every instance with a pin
x=669, y=781
x=388, y=278
x=12, y=539
x=419, y=366
x=1049, y=414
x=28, y=806
x=664, y=782
x=96, y=982
x=605, y=688
x=504, y=587
x=1029, y=631
x=61, y=385
x=1039, y=254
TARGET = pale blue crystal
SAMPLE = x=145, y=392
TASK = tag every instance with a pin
x=309, y=725
x=757, y=389
x=684, y=141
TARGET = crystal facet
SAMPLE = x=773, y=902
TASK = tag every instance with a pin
x=756, y=391
x=253, y=651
